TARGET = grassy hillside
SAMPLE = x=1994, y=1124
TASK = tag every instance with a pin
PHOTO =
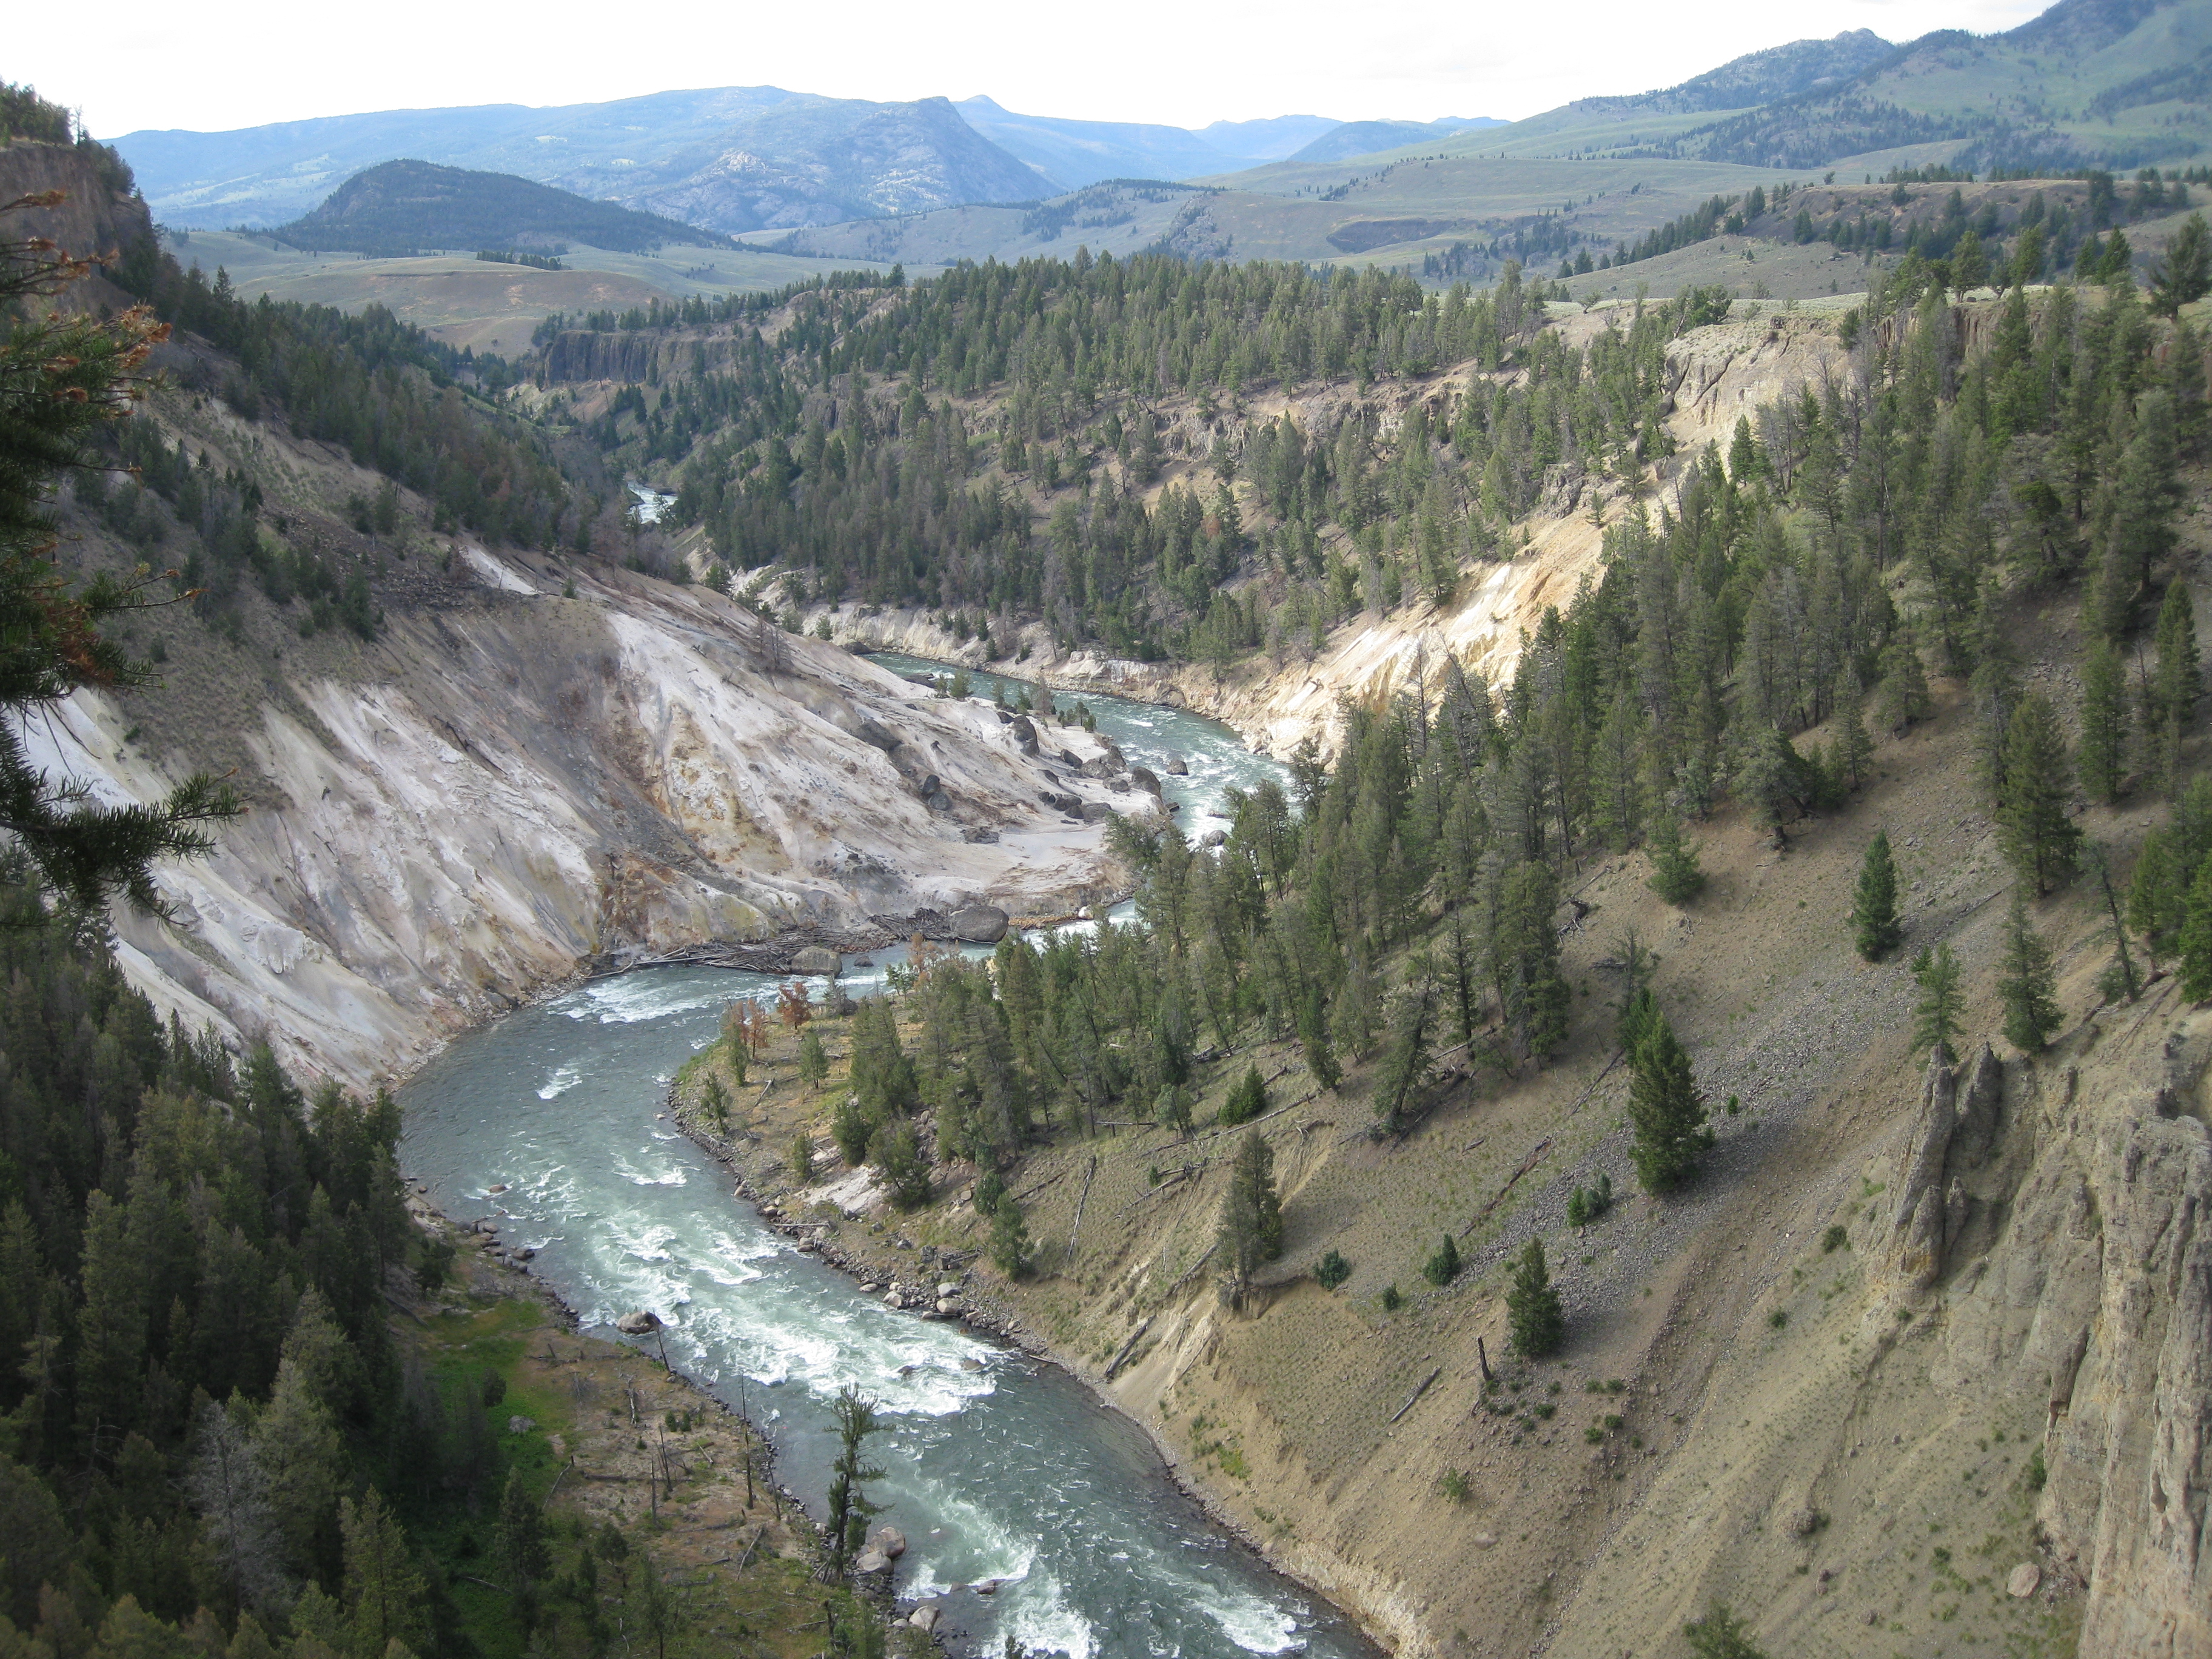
x=402, y=207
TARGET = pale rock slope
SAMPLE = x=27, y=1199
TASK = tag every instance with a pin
x=521, y=787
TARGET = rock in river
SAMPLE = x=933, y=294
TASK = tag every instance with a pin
x=816, y=959
x=638, y=1324
x=980, y=924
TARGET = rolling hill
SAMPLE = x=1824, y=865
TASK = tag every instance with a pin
x=401, y=208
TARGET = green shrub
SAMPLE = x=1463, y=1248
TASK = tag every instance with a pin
x=1719, y=1635
x=1391, y=1300
x=988, y=1191
x=1454, y=1486
x=1837, y=1238
x=2038, y=1473
x=1443, y=1266
x=1779, y=1318
x=1332, y=1271
x=1586, y=1206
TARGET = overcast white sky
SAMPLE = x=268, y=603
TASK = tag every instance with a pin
x=241, y=63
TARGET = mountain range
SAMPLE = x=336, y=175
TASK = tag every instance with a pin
x=2089, y=82
x=730, y=159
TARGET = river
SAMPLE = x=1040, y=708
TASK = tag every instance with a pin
x=997, y=1467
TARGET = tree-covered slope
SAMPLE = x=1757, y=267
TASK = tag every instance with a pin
x=404, y=206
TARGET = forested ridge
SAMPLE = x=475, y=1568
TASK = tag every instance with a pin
x=1397, y=909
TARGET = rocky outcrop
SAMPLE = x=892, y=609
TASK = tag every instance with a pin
x=1951, y=1138
x=2095, y=1295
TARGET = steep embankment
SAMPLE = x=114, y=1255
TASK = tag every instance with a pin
x=1908, y=1334
x=510, y=786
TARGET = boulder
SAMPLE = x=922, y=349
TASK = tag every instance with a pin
x=2024, y=1581
x=1060, y=802
x=1102, y=766
x=1144, y=778
x=1070, y=759
x=1178, y=767
x=520, y=1424
x=816, y=959
x=979, y=836
x=1023, y=729
x=638, y=1324
x=869, y=731
x=978, y=924
x=939, y=801
x=931, y=785
x=872, y=1561
x=948, y=1305
x=889, y=1542
x=1097, y=811
x=948, y=1288
x=1212, y=838
x=923, y=1617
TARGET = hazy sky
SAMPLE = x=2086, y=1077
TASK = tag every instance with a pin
x=240, y=63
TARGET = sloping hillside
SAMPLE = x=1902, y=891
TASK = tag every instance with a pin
x=403, y=207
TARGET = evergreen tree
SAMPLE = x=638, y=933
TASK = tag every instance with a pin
x=1247, y=1101
x=1441, y=1268
x=1251, y=1214
x=2104, y=722
x=1010, y=1238
x=523, y=1550
x=854, y=1414
x=1854, y=748
x=658, y=1606
x=2183, y=273
x=1664, y=1108
x=2179, y=681
x=1533, y=1308
x=1942, y=1001
x=1902, y=696
x=384, y=1595
x=2039, y=834
x=813, y=1060
x=2026, y=985
x=2195, y=941
x=1407, y=1052
x=882, y=1076
x=1874, y=902
x=69, y=373
x=1676, y=876
x=1313, y=1040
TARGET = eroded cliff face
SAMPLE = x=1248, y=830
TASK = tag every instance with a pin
x=2089, y=1284
x=512, y=787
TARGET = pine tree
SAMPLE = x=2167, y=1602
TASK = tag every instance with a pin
x=1441, y=1268
x=1873, y=902
x=1936, y=1016
x=2184, y=271
x=854, y=1414
x=2196, y=942
x=2178, y=683
x=1533, y=1308
x=384, y=1595
x=1010, y=1238
x=1664, y=1106
x=1313, y=1040
x=2026, y=985
x=1854, y=748
x=523, y=1550
x=2158, y=893
x=2039, y=834
x=1247, y=1101
x=2104, y=722
x=1903, y=697
x=1251, y=1214
x=813, y=1060
x=1676, y=876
